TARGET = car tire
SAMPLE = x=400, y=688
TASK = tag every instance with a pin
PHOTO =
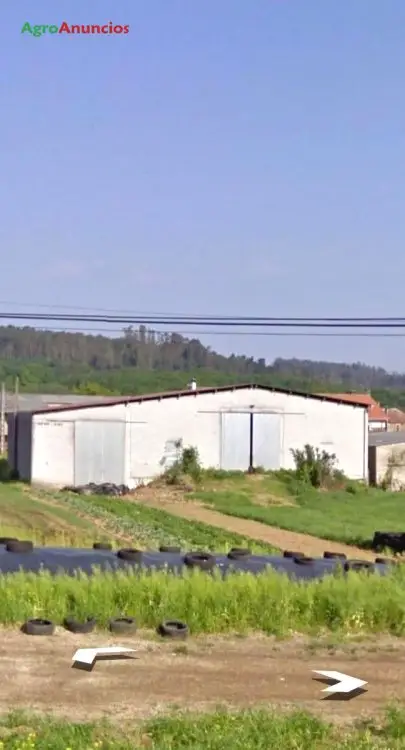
x=201, y=560
x=173, y=629
x=38, y=626
x=130, y=555
x=239, y=553
x=77, y=626
x=19, y=547
x=122, y=625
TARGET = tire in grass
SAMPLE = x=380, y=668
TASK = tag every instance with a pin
x=239, y=553
x=19, y=546
x=290, y=553
x=131, y=555
x=384, y=561
x=122, y=625
x=167, y=548
x=102, y=546
x=334, y=556
x=201, y=560
x=359, y=565
x=173, y=629
x=76, y=626
x=38, y=626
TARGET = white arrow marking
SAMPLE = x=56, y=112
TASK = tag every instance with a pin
x=345, y=683
x=89, y=655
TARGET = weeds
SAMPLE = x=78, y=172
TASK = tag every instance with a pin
x=268, y=603
x=254, y=729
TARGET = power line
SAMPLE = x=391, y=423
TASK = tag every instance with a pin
x=107, y=313
x=222, y=322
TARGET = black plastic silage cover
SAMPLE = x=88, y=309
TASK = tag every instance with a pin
x=68, y=560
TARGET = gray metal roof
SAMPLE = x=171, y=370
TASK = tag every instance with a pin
x=386, y=438
x=34, y=401
x=190, y=393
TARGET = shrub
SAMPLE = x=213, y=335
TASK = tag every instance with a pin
x=6, y=473
x=315, y=467
x=188, y=465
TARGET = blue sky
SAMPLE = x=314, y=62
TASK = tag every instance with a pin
x=226, y=157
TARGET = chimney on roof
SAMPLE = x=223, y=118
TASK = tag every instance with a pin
x=192, y=385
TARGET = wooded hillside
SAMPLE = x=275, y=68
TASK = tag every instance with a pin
x=142, y=361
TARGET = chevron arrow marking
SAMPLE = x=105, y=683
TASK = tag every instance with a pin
x=89, y=655
x=344, y=683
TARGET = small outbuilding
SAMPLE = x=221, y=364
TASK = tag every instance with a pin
x=134, y=439
x=386, y=460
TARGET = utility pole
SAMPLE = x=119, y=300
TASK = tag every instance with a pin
x=16, y=394
x=3, y=420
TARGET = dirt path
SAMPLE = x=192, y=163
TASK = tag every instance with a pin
x=309, y=545
x=200, y=675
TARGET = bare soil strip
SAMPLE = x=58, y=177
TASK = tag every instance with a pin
x=200, y=675
x=261, y=532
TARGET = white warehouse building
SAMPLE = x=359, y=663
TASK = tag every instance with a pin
x=134, y=439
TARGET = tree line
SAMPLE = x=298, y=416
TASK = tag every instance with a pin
x=142, y=360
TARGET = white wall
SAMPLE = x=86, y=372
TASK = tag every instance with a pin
x=390, y=465
x=374, y=425
x=53, y=441
x=153, y=427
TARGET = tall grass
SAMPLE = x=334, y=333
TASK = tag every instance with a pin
x=58, y=538
x=255, y=729
x=270, y=602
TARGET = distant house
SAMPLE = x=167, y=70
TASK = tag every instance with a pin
x=396, y=420
x=377, y=415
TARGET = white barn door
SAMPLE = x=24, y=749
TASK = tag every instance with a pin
x=267, y=441
x=52, y=452
x=235, y=442
x=99, y=452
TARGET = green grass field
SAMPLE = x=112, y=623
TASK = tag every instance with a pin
x=149, y=527
x=71, y=520
x=23, y=515
x=245, y=730
x=337, y=515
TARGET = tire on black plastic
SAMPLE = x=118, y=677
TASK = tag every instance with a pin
x=173, y=629
x=38, y=626
x=102, y=546
x=168, y=548
x=77, y=626
x=131, y=555
x=358, y=565
x=384, y=561
x=302, y=560
x=334, y=556
x=201, y=560
x=239, y=553
x=19, y=546
x=290, y=553
x=122, y=625
x=7, y=539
